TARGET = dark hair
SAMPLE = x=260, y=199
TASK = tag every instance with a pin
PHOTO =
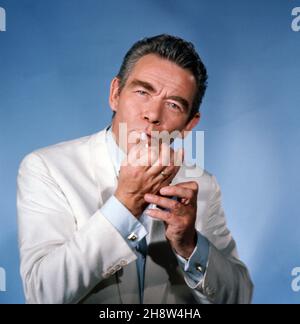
x=174, y=49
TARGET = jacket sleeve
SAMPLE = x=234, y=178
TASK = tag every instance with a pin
x=59, y=262
x=226, y=279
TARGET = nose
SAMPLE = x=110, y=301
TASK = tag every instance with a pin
x=153, y=114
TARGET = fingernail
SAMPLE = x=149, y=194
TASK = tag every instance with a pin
x=162, y=190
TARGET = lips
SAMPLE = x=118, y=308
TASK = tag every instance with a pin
x=152, y=134
x=146, y=135
x=143, y=135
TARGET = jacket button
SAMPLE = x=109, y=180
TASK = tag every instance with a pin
x=123, y=263
x=117, y=267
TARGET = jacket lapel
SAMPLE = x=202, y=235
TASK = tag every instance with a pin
x=155, y=277
x=164, y=282
x=104, y=173
x=106, y=179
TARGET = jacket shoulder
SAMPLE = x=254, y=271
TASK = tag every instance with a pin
x=60, y=153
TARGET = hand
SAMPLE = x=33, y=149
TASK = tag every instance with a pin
x=137, y=179
x=180, y=216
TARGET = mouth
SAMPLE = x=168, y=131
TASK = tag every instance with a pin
x=147, y=136
x=137, y=135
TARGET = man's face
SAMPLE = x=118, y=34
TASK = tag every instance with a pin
x=157, y=96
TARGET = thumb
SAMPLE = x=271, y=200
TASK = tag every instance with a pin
x=179, y=157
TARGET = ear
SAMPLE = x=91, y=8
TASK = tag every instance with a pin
x=191, y=124
x=114, y=94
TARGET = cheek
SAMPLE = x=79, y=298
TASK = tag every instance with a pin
x=129, y=99
x=174, y=122
x=129, y=108
x=125, y=102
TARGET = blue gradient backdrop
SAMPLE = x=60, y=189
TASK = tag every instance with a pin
x=57, y=59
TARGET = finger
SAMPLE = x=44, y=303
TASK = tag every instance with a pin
x=159, y=214
x=175, y=190
x=137, y=137
x=167, y=175
x=189, y=184
x=134, y=152
x=165, y=159
x=149, y=155
x=193, y=185
x=153, y=158
x=173, y=169
x=142, y=155
x=179, y=157
x=161, y=201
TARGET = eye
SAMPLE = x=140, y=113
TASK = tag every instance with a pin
x=173, y=106
x=141, y=92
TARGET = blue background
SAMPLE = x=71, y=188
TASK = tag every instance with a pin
x=57, y=59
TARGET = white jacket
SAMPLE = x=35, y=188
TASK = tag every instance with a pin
x=70, y=253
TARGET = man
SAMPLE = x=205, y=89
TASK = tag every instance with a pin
x=97, y=227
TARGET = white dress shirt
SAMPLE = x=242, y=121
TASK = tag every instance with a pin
x=134, y=230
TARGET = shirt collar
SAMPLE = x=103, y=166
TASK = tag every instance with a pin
x=117, y=154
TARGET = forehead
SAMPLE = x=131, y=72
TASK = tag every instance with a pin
x=164, y=74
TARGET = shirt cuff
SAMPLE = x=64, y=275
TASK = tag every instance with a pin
x=195, y=266
x=121, y=218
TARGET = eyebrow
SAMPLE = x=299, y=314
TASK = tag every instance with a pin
x=148, y=86
x=181, y=100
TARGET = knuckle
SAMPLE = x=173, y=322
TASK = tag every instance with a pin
x=157, y=200
x=190, y=194
x=176, y=204
x=168, y=215
x=195, y=186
